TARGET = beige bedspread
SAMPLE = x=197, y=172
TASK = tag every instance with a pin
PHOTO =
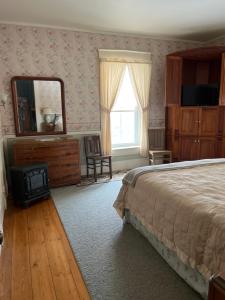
x=185, y=209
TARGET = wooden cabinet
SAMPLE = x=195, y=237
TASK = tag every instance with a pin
x=172, y=132
x=195, y=132
x=208, y=147
x=202, y=121
x=217, y=287
x=172, y=119
x=222, y=81
x=188, y=148
x=189, y=121
x=173, y=80
x=221, y=146
x=209, y=121
x=192, y=148
x=172, y=143
x=61, y=155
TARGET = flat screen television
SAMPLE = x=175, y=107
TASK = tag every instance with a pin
x=200, y=95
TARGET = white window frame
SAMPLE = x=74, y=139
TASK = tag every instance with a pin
x=137, y=131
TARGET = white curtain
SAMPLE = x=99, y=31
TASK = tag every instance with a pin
x=112, y=67
x=141, y=76
x=111, y=74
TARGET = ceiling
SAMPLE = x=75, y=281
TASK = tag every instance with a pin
x=198, y=20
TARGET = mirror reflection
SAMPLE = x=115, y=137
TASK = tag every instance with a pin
x=38, y=106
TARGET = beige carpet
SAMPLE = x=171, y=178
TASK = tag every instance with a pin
x=117, y=175
x=117, y=262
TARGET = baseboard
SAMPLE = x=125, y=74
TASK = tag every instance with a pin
x=128, y=164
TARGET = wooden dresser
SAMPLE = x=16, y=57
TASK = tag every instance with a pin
x=62, y=156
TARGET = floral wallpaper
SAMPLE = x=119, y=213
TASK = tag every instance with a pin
x=73, y=56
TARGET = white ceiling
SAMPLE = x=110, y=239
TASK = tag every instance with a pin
x=185, y=19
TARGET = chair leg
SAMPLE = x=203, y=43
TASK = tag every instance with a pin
x=87, y=168
x=95, y=174
x=101, y=167
x=110, y=167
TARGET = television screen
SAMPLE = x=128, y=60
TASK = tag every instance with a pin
x=201, y=94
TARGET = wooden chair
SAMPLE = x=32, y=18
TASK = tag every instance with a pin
x=94, y=156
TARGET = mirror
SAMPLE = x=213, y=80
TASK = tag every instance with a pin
x=39, y=105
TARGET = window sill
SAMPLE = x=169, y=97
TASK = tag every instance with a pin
x=120, y=151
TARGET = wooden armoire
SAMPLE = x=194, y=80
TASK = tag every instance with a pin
x=198, y=131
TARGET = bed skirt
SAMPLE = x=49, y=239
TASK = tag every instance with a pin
x=191, y=276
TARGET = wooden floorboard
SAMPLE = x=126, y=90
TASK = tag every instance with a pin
x=6, y=258
x=42, y=283
x=21, y=268
x=37, y=261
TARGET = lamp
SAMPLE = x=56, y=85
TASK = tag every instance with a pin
x=47, y=112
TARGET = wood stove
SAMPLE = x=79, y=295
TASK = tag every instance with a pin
x=29, y=183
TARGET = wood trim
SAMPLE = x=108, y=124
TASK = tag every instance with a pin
x=203, y=53
x=217, y=287
x=222, y=82
x=173, y=80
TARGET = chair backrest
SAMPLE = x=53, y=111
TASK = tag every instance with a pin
x=92, y=145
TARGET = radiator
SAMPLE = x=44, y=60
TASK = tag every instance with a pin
x=156, y=138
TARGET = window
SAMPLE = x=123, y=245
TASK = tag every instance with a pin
x=125, y=116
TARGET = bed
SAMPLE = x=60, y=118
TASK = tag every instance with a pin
x=180, y=209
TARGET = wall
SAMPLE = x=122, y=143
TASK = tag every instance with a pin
x=73, y=56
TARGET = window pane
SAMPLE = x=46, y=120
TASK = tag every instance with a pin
x=123, y=128
x=125, y=99
x=124, y=115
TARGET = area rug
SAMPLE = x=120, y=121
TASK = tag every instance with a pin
x=116, y=261
x=117, y=175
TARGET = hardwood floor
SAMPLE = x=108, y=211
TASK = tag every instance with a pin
x=37, y=261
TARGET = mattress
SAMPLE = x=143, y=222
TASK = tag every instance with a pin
x=183, y=206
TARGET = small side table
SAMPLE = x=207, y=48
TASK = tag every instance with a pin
x=164, y=155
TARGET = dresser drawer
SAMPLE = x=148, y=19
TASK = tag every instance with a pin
x=62, y=157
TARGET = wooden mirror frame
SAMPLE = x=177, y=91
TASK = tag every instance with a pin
x=15, y=106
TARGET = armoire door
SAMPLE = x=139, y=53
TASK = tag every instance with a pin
x=208, y=147
x=222, y=82
x=173, y=80
x=189, y=148
x=172, y=144
x=189, y=121
x=172, y=119
x=221, y=147
x=209, y=121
